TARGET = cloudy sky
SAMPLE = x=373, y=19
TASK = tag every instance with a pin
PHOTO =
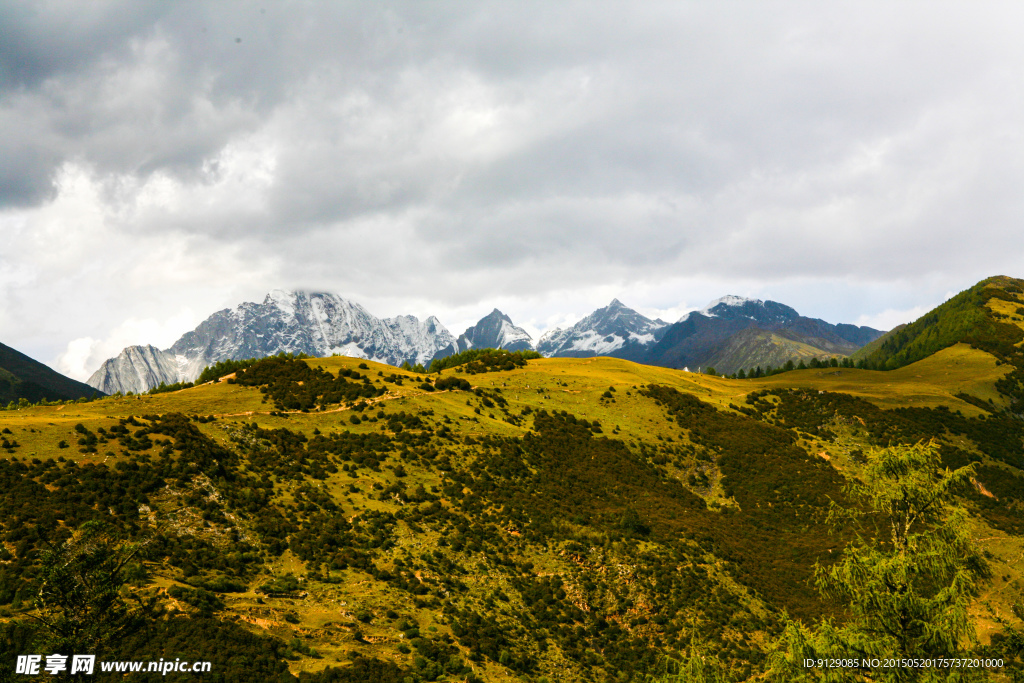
x=160, y=161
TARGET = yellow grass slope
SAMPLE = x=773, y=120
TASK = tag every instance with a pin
x=576, y=385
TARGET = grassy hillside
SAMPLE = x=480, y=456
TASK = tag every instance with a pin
x=754, y=347
x=986, y=316
x=872, y=346
x=568, y=520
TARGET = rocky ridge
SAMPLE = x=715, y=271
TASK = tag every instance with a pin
x=313, y=323
x=320, y=324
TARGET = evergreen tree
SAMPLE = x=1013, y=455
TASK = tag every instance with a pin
x=79, y=602
x=699, y=665
x=906, y=581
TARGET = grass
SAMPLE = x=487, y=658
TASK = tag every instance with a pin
x=571, y=384
x=326, y=616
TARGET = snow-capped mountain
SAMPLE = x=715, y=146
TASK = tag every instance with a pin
x=320, y=324
x=137, y=368
x=732, y=307
x=495, y=330
x=614, y=330
x=314, y=323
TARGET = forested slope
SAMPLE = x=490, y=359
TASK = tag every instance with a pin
x=508, y=518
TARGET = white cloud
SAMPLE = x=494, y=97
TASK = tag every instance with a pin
x=889, y=318
x=447, y=159
x=84, y=355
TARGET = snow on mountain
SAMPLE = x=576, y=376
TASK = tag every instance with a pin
x=422, y=341
x=320, y=324
x=731, y=307
x=495, y=330
x=553, y=338
x=728, y=301
x=314, y=323
x=612, y=330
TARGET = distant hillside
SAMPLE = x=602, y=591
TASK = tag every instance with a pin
x=754, y=347
x=22, y=377
x=967, y=317
x=733, y=333
x=322, y=324
x=729, y=334
x=871, y=347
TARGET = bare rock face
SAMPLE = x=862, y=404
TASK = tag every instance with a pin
x=314, y=323
x=136, y=369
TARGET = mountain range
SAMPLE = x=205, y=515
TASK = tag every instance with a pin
x=316, y=324
x=336, y=520
x=729, y=334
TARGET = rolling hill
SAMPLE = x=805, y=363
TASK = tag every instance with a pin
x=567, y=519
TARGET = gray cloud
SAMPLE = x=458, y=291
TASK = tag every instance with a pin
x=438, y=157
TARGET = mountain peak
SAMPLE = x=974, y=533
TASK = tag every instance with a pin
x=282, y=298
x=615, y=329
x=730, y=300
x=495, y=330
x=496, y=315
x=730, y=307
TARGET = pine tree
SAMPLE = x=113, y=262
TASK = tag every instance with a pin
x=906, y=581
x=79, y=603
x=699, y=665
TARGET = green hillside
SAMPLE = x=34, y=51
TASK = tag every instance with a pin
x=566, y=519
x=871, y=347
x=972, y=316
x=24, y=378
x=988, y=317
